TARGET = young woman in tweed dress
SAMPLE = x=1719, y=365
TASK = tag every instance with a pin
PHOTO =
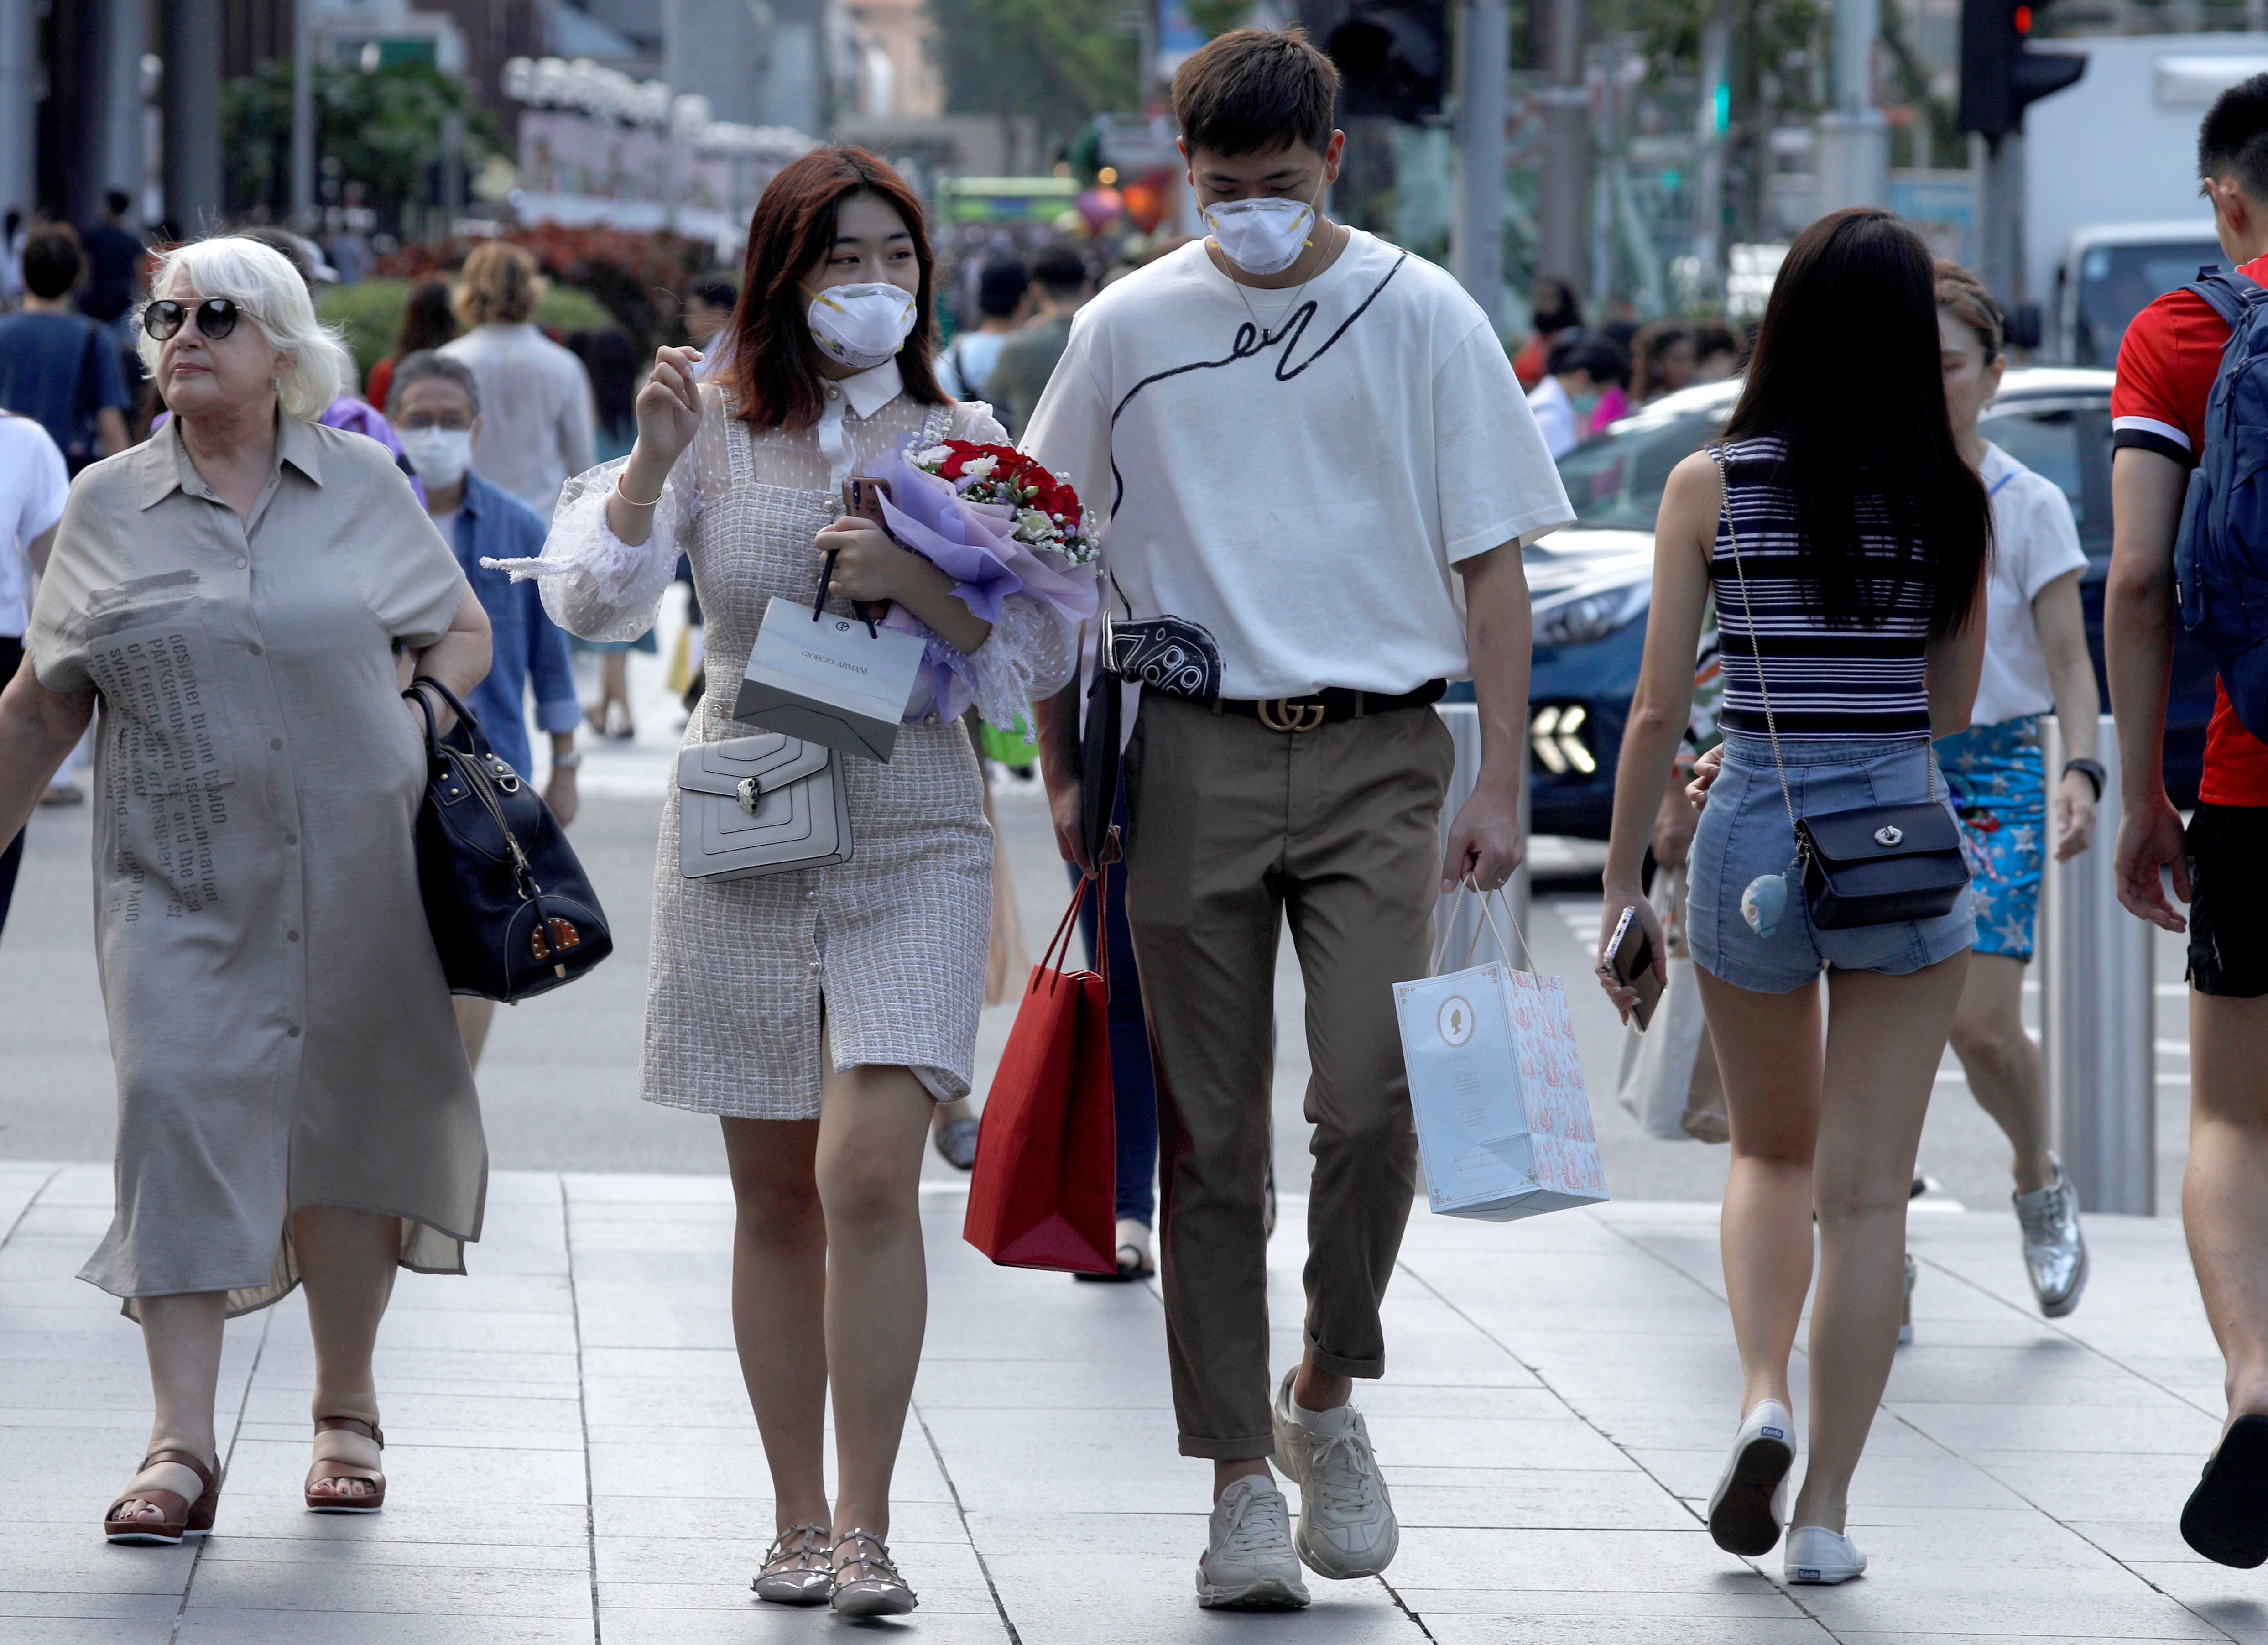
x=820, y=1012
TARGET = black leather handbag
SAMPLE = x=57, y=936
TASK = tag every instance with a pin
x=1870, y=865
x=513, y=912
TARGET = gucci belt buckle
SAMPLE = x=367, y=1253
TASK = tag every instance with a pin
x=1281, y=714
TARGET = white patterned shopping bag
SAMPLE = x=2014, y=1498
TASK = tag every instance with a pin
x=1504, y=1125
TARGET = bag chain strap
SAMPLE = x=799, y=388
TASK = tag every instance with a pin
x=1748, y=613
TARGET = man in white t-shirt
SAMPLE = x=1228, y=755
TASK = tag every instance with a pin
x=33, y=484
x=1318, y=471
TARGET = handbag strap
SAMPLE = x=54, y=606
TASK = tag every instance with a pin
x=1749, y=615
x=1058, y=947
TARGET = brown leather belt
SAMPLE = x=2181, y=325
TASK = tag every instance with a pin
x=1326, y=707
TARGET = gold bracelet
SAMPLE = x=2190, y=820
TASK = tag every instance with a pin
x=632, y=501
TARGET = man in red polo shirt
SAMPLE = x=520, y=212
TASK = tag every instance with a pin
x=2166, y=371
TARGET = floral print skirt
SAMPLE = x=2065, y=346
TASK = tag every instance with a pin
x=1999, y=792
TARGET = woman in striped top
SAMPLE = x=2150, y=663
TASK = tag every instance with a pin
x=1861, y=539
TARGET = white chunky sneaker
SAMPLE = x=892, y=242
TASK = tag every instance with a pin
x=1750, y=1503
x=1346, y=1519
x=2055, y=1255
x=1817, y=1554
x=1248, y=1564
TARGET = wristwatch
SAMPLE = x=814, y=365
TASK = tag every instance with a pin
x=2092, y=770
x=568, y=760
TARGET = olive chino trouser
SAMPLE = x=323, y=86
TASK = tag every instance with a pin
x=1235, y=827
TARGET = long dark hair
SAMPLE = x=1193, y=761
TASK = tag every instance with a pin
x=426, y=322
x=1846, y=369
x=773, y=370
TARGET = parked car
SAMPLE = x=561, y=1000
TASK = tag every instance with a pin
x=1591, y=584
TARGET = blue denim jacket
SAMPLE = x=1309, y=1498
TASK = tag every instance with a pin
x=531, y=650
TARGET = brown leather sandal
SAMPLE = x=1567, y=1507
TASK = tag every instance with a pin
x=327, y=1468
x=181, y=1517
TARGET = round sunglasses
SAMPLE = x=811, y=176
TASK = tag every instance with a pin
x=216, y=318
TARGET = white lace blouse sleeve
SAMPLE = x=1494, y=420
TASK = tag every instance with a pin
x=1034, y=647
x=595, y=584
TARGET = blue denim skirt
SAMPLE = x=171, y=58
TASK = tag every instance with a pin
x=1744, y=834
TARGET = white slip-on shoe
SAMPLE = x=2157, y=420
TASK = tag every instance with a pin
x=1346, y=1518
x=2055, y=1253
x=1817, y=1554
x=1248, y=1564
x=1749, y=1504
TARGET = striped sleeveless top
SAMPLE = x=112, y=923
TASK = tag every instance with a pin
x=1829, y=681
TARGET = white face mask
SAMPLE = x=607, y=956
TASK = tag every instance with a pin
x=861, y=326
x=440, y=456
x=1262, y=236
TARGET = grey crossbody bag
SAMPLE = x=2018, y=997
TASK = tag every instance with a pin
x=765, y=804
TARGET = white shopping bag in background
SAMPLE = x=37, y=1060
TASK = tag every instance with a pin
x=1504, y=1126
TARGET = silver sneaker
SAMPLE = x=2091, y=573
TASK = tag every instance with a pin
x=1248, y=1564
x=1346, y=1518
x=2055, y=1254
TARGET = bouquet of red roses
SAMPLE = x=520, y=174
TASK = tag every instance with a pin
x=1046, y=512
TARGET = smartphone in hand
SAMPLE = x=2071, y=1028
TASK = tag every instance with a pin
x=1631, y=957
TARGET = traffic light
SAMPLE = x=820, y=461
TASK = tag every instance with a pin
x=2000, y=74
x=1392, y=57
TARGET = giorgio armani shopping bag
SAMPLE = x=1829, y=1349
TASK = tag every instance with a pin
x=1504, y=1126
x=1044, y=1191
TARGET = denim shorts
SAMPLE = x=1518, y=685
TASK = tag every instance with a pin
x=1744, y=834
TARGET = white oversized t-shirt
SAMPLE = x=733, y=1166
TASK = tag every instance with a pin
x=33, y=484
x=1296, y=472
x=2035, y=540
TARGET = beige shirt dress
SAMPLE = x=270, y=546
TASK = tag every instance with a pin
x=281, y=1029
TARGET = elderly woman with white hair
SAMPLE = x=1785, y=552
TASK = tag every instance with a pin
x=238, y=596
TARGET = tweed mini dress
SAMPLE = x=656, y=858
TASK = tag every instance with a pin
x=756, y=986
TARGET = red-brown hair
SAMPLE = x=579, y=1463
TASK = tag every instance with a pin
x=773, y=370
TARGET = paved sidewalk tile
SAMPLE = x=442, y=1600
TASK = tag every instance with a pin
x=571, y=1457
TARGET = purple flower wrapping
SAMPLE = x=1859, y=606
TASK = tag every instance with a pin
x=974, y=544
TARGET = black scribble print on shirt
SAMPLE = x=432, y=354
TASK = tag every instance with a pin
x=1251, y=340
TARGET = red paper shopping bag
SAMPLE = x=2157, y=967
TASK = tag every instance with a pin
x=1044, y=1192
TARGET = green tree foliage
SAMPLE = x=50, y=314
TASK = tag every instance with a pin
x=382, y=128
x=1059, y=63
x=1212, y=17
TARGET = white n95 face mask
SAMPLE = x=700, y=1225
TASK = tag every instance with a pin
x=861, y=326
x=1260, y=236
x=440, y=456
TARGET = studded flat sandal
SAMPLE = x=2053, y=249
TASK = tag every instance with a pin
x=179, y=1517
x=327, y=1468
x=865, y=1583
x=795, y=1570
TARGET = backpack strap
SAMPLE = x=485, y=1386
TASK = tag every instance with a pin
x=2227, y=293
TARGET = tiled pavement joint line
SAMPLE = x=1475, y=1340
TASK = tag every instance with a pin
x=227, y=1455
x=582, y=1408
x=2043, y=1323
x=2018, y=1493
x=1552, y=1389
x=1401, y=1605
x=1545, y=1382
x=30, y=1200
x=961, y=1510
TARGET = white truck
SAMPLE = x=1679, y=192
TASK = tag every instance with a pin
x=2112, y=216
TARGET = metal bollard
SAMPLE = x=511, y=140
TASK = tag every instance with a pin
x=2098, y=1010
x=1458, y=922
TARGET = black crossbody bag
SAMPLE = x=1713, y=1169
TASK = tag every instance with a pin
x=513, y=913
x=1870, y=865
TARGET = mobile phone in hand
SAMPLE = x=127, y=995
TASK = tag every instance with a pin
x=1631, y=957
